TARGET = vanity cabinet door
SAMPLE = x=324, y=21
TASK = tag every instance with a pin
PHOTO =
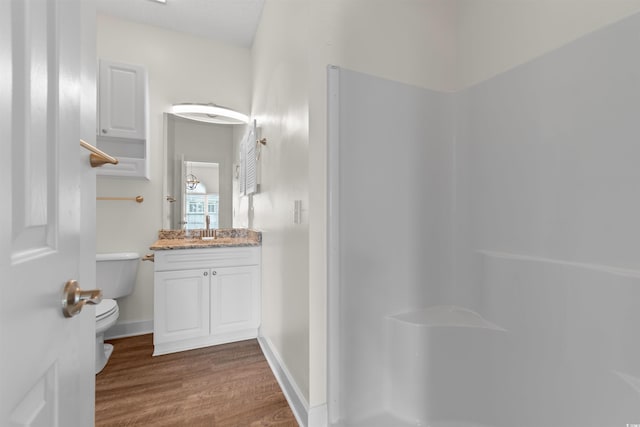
x=181, y=305
x=235, y=298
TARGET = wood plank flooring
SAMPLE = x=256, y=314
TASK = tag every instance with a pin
x=229, y=385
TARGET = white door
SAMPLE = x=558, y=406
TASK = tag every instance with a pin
x=46, y=360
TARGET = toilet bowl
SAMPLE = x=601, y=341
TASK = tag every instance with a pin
x=115, y=276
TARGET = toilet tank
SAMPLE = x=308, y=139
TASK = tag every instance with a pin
x=116, y=273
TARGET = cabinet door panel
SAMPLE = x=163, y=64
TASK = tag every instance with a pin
x=122, y=100
x=235, y=298
x=181, y=305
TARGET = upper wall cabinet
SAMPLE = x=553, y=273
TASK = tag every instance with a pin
x=122, y=100
x=122, y=121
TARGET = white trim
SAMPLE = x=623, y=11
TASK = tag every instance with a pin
x=291, y=391
x=333, y=240
x=318, y=416
x=205, y=341
x=129, y=329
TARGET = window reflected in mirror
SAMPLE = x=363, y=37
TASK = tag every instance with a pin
x=201, y=195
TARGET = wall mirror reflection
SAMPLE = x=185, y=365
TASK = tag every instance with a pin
x=202, y=196
x=198, y=174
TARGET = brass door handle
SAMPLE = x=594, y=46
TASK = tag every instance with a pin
x=74, y=298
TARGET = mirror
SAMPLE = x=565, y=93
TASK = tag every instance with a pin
x=193, y=148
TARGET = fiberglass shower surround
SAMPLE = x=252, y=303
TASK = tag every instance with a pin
x=484, y=245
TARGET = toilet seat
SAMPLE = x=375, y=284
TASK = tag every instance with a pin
x=107, y=313
x=105, y=308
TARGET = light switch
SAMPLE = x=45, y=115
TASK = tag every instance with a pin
x=297, y=211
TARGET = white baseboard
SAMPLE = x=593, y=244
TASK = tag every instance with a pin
x=316, y=417
x=129, y=329
x=206, y=341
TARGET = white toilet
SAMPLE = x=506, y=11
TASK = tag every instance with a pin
x=115, y=276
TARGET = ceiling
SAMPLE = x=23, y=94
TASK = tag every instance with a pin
x=230, y=21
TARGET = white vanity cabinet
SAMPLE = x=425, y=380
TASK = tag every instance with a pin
x=205, y=297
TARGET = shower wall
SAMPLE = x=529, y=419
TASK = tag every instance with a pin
x=517, y=198
x=395, y=169
x=547, y=157
x=547, y=233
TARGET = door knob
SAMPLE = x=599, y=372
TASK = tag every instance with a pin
x=74, y=298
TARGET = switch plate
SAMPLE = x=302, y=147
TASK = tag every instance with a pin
x=297, y=211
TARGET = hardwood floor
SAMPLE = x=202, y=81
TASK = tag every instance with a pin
x=229, y=385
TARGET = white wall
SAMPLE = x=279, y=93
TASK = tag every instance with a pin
x=410, y=41
x=496, y=35
x=280, y=106
x=180, y=68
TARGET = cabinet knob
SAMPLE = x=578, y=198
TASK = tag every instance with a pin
x=214, y=273
x=205, y=273
x=104, y=131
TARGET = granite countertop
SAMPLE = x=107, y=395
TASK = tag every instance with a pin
x=179, y=239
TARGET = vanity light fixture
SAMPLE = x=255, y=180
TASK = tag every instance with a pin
x=191, y=182
x=209, y=113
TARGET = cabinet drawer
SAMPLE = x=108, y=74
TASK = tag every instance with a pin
x=185, y=259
